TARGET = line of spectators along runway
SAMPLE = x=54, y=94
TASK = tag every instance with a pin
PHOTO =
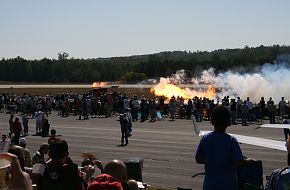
x=142, y=109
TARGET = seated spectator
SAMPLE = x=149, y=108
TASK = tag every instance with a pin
x=27, y=157
x=114, y=177
x=132, y=184
x=59, y=172
x=53, y=136
x=89, y=162
x=38, y=157
x=4, y=144
x=19, y=152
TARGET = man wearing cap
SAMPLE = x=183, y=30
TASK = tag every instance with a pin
x=27, y=157
x=38, y=157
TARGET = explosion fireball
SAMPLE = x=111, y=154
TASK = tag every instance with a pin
x=99, y=84
x=166, y=89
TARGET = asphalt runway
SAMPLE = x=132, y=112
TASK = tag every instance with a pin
x=167, y=147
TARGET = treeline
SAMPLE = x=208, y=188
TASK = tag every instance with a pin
x=135, y=68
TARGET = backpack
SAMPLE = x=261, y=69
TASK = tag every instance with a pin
x=65, y=177
x=279, y=180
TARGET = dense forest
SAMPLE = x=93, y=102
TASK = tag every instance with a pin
x=136, y=68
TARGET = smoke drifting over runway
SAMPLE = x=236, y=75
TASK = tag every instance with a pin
x=268, y=80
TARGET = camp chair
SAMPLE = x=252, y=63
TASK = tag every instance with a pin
x=250, y=177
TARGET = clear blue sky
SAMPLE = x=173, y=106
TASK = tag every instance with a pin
x=34, y=29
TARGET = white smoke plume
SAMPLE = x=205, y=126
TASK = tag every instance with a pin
x=268, y=80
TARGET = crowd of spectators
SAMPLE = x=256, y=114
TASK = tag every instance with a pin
x=58, y=171
x=141, y=109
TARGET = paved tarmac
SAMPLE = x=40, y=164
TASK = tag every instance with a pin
x=167, y=147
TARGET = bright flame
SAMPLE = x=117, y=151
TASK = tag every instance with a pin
x=99, y=84
x=164, y=88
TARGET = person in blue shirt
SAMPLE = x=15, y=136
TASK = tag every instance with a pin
x=220, y=153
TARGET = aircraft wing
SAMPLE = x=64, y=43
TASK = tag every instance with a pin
x=268, y=143
x=279, y=126
x=262, y=142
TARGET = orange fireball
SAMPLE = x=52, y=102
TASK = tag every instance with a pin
x=99, y=84
x=164, y=88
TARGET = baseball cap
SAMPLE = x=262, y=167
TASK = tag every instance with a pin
x=22, y=141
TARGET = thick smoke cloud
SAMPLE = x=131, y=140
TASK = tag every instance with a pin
x=268, y=80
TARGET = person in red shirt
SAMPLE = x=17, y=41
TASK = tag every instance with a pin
x=17, y=128
x=114, y=177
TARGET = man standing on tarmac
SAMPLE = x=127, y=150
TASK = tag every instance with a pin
x=220, y=153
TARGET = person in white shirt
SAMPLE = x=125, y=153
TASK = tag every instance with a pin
x=4, y=144
x=129, y=117
x=38, y=120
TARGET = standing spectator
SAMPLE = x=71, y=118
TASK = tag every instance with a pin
x=272, y=112
x=38, y=121
x=161, y=105
x=172, y=108
x=45, y=127
x=250, y=109
x=143, y=109
x=220, y=153
x=189, y=109
x=135, y=109
x=245, y=113
x=198, y=110
x=11, y=123
x=270, y=101
x=239, y=105
x=25, y=121
x=286, y=120
x=233, y=110
x=262, y=105
x=89, y=105
x=84, y=109
x=129, y=117
x=152, y=110
x=282, y=106
x=38, y=156
x=287, y=144
x=17, y=129
x=125, y=102
x=124, y=129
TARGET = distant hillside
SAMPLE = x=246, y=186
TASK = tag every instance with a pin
x=138, y=67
